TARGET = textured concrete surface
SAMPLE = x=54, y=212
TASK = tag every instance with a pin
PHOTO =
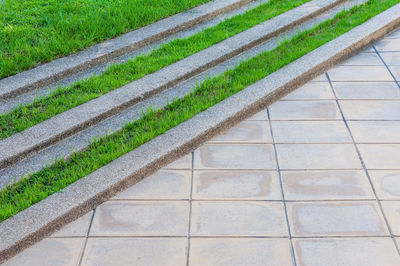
x=205, y=218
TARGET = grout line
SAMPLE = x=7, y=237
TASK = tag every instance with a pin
x=87, y=238
x=365, y=168
x=387, y=67
x=281, y=186
x=190, y=210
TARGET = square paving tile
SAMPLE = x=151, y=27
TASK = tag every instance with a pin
x=396, y=71
x=336, y=219
x=346, y=251
x=239, y=251
x=366, y=90
x=388, y=45
x=50, y=251
x=183, y=163
x=150, y=218
x=236, y=185
x=392, y=213
x=317, y=156
x=371, y=110
x=139, y=251
x=238, y=219
x=246, y=132
x=320, y=78
x=364, y=59
x=360, y=73
x=386, y=183
x=375, y=131
x=77, y=228
x=239, y=156
x=312, y=91
x=261, y=116
x=164, y=184
x=305, y=110
x=326, y=185
x=310, y=132
x=391, y=58
x=380, y=156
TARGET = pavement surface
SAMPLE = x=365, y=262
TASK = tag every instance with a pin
x=312, y=180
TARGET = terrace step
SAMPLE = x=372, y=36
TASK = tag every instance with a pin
x=59, y=127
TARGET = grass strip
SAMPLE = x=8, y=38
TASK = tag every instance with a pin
x=53, y=178
x=38, y=31
x=118, y=75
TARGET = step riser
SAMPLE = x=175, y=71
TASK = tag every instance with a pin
x=17, y=147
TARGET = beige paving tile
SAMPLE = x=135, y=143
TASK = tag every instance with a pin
x=246, y=132
x=305, y=110
x=326, y=185
x=386, y=183
x=375, y=131
x=312, y=91
x=364, y=59
x=388, y=45
x=336, y=219
x=261, y=116
x=320, y=78
x=183, y=163
x=366, y=90
x=391, y=58
x=346, y=251
x=380, y=156
x=360, y=73
x=139, y=251
x=396, y=71
x=150, y=218
x=392, y=213
x=236, y=185
x=371, y=110
x=317, y=156
x=310, y=132
x=369, y=50
x=50, y=251
x=238, y=219
x=239, y=251
x=77, y=228
x=164, y=184
x=239, y=156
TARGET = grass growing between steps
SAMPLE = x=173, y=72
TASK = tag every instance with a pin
x=51, y=179
x=38, y=31
x=116, y=76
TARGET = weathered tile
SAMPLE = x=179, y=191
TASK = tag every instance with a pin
x=249, y=156
x=164, y=184
x=388, y=45
x=346, y=251
x=235, y=185
x=392, y=213
x=326, y=185
x=371, y=110
x=50, y=251
x=380, y=156
x=239, y=251
x=261, y=116
x=386, y=184
x=305, y=110
x=310, y=132
x=318, y=156
x=135, y=251
x=396, y=71
x=375, y=131
x=149, y=218
x=312, y=91
x=366, y=90
x=336, y=219
x=238, y=219
x=246, y=132
x=77, y=228
x=184, y=162
x=360, y=73
x=391, y=58
x=320, y=78
x=364, y=59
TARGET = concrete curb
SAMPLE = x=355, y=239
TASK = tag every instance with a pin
x=20, y=145
x=43, y=218
x=53, y=71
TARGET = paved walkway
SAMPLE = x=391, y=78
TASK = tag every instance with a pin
x=313, y=180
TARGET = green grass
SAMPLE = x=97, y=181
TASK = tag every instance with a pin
x=55, y=177
x=38, y=31
x=116, y=76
